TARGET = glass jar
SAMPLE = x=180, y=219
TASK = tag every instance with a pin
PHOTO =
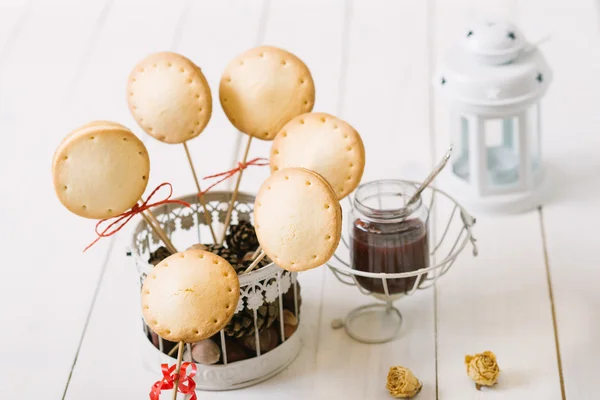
x=388, y=236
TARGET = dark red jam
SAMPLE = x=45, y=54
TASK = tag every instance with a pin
x=389, y=248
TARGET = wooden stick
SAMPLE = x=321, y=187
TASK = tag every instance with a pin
x=172, y=351
x=256, y=253
x=255, y=263
x=155, y=226
x=235, y=190
x=207, y=215
x=162, y=235
x=179, y=358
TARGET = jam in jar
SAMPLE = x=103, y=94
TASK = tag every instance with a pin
x=387, y=236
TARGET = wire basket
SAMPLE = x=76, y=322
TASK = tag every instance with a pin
x=380, y=322
x=269, y=286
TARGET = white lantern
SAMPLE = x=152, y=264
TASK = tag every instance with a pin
x=493, y=82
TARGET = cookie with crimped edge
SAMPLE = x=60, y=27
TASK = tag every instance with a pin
x=298, y=219
x=264, y=88
x=324, y=144
x=190, y=296
x=169, y=97
x=100, y=170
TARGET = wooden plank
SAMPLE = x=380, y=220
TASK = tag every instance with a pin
x=12, y=18
x=570, y=146
x=499, y=300
x=44, y=57
x=131, y=32
x=46, y=267
x=385, y=98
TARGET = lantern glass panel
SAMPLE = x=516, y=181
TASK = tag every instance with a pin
x=533, y=129
x=501, y=145
x=460, y=165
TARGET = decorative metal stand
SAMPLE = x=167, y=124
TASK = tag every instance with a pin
x=381, y=322
x=185, y=227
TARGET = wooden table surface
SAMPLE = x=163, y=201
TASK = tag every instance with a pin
x=69, y=322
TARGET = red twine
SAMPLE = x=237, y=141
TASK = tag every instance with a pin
x=123, y=219
x=258, y=162
x=186, y=383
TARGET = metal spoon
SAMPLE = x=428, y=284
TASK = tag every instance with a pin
x=431, y=177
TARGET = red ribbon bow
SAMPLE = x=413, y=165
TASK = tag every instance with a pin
x=123, y=219
x=186, y=383
x=258, y=162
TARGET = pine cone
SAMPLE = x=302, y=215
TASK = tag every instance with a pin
x=224, y=252
x=268, y=339
x=157, y=256
x=242, y=238
x=242, y=323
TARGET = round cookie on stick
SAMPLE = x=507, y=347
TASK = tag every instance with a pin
x=261, y=90
x=100, y=170
x=169, y=97
x=190, y=296
x=324, y=144
x=298, y=219
x=171, y=101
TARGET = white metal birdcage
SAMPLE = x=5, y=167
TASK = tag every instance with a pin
x=186, y=226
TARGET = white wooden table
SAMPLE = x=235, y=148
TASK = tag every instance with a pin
x=69, y=322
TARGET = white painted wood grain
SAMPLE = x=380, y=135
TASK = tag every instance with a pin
x=46, y=54
x=49, y=282
x=570, y=146
x=12, y=17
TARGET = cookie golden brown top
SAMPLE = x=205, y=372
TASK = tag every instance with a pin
x=169, y=97
x=264, y=88
x=298, y=219
x=100, y=170
x=324, y=144
x=190, y=296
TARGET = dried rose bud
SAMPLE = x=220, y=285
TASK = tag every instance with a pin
x=402, y=383
x=482, y=369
